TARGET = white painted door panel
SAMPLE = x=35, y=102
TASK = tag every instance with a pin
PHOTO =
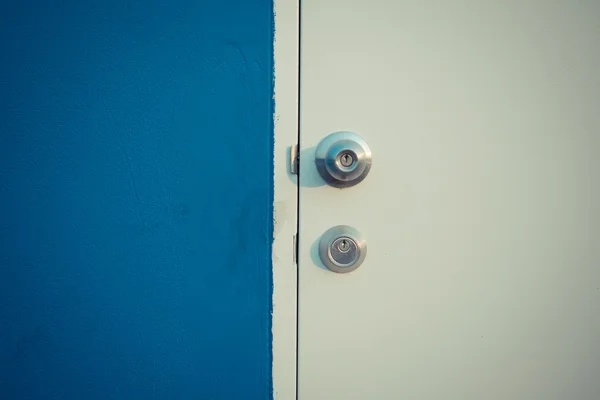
x=481, y=210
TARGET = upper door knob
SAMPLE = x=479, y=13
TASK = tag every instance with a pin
x=343, y=159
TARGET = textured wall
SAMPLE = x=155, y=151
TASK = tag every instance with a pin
x=135, y=199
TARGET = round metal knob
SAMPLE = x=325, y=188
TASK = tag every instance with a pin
x=343, y=159
x=342, y=249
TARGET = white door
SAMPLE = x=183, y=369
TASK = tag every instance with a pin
x=481, y=210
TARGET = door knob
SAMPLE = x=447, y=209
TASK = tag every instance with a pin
x=342, y=249
x=343, y=159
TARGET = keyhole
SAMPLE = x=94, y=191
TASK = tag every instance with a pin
x=346, y=159
x=343, y=246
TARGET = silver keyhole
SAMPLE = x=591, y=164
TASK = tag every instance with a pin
x=344, y=245
x=346, y=159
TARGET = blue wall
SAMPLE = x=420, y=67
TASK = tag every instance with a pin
x=135, y=199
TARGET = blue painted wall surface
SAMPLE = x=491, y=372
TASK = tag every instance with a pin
x=135, y=199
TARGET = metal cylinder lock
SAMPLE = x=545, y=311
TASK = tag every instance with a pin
x=342, y=249
x=343, y=159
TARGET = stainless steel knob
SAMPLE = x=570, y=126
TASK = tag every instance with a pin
x=343, y=159
x=342, y=249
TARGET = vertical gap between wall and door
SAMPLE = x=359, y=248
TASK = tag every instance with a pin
x=299, y=33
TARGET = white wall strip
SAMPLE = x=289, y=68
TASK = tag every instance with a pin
x=285, y=200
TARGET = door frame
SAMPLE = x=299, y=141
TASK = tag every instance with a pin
x=285, y=203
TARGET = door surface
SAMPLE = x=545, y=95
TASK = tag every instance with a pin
x=481, y=210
